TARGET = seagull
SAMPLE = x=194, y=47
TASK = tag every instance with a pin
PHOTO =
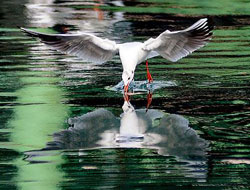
x=170, y=45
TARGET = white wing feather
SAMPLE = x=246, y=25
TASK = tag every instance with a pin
x=176, y=45
x=86, y=46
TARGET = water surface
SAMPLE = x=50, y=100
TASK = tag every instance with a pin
x=63, y=127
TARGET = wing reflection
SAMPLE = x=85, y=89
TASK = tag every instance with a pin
x=173, y=136
x=91, y=130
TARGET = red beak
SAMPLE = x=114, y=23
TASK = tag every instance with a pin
x=126, y=88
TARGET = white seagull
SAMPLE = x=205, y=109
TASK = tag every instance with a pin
x=170, y=45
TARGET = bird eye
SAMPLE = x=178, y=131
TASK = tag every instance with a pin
x=128, y=78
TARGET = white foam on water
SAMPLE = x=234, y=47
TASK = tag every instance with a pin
x=142, y=86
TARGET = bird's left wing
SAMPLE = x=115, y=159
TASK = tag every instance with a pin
x=86, y=46
x=178, y=44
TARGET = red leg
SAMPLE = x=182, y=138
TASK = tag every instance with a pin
x=150, y=79
x=126, y=88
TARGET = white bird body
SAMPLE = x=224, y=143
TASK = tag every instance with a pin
x=131, y=125
x=170, y=45
x=132, y=54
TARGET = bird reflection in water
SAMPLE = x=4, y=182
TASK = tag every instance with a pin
x=169, y=134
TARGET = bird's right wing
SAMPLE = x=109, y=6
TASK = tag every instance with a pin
x=86, y=46
x=175, y=45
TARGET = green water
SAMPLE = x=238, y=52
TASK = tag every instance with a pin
x=196, y=132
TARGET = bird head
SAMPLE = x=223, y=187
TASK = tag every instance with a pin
x=127, y=107
x=127, y=77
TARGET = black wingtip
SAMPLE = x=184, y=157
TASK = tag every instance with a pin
x=210, y=23
x=205, y=30
x=29, y=32
x=22, y=29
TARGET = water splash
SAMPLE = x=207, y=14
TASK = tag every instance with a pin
x=142, y=86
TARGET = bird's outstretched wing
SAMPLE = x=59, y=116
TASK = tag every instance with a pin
x=86, y=46
x=178, y=44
